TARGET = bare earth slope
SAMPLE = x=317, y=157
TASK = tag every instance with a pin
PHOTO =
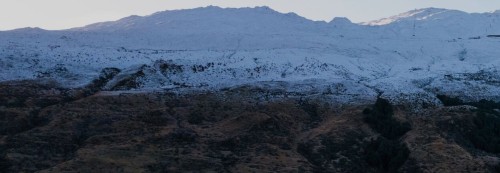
x=230, y=131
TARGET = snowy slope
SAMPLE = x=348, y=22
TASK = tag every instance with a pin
x=441, y=23
x=409, y=57
x=212, y=28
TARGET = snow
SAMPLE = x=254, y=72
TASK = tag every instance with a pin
x=401, y=57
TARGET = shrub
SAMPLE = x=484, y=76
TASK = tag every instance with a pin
x=486, y=132
x=485, y=104
x=196, y=117
x=367, y=111
x=4, y=165
x=449, y=101
x=310, y=108
x=481, y=104
x=386, y=155
x=183, y=136
x=381, y=120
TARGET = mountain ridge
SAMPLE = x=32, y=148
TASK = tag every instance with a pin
x=264, y=48
x=376, y=22
x=196, y=15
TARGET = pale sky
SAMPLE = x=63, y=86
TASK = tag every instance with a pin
x=63, y=14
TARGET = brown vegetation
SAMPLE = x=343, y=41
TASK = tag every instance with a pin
x=225, y=132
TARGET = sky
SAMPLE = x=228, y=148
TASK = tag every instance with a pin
x=64, y=14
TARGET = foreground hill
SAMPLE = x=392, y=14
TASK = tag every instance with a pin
x=47, y=129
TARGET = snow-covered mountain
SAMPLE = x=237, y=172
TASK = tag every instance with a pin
x=409, y=57
x=441, y=23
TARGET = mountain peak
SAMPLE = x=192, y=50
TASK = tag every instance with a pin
x=417, y=14
x=29, y=29
x=429, y=10
x=342, y=20
x=210, y=18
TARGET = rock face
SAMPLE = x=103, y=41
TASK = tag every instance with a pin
x=234, y=130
